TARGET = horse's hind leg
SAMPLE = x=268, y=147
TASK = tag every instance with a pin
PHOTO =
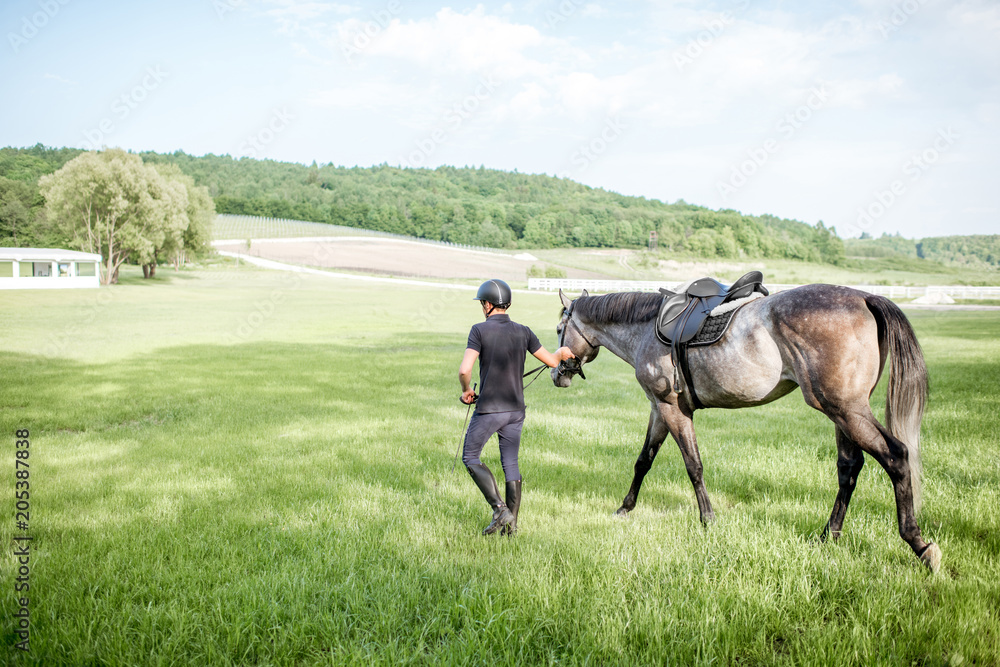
x=850, y=460
x=893, y=456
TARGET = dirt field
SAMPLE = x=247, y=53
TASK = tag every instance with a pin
x=397, y=257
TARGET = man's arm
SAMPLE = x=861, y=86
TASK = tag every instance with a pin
x=549, y=359
x=465, y=374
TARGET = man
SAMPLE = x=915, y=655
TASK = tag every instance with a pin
x=500, y=345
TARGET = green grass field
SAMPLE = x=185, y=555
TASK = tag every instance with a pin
x=233, y=466
x=643, y=265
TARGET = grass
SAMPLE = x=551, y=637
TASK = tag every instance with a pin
x=642, y=265
x=231, y=466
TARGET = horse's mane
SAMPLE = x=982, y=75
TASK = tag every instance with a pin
x=621, y=307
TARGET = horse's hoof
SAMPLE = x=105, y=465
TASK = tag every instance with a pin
x=622, y=512
x=931, y=557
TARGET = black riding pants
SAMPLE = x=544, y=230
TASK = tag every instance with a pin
x=507, y=426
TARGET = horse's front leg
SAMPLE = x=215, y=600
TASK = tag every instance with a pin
x=681, y=427
x=656, y=433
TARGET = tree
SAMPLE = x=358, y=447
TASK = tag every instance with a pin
x=15, y=205
x=109, y=202
x=201, y=215
x=191, y=232
x=702, y=243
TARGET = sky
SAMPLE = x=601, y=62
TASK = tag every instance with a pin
x=877, y=116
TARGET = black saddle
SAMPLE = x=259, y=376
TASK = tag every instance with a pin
x=683, y=317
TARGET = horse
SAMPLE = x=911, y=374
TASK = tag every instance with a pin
x=830, y=341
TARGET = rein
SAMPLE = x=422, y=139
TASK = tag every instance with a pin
x=536, y=371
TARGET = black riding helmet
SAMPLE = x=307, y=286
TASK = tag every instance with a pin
x=496, y=292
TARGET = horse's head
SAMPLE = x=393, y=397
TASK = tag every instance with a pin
x=571, y=335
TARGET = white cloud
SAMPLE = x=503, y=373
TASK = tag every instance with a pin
x=865, y=93
x=290, y=15
x=364, y=95
x=456, y=42
x=528, y=103
x=56, y=77
x=978, y=15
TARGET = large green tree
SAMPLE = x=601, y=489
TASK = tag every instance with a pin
x=190, y=232
x=109, y=202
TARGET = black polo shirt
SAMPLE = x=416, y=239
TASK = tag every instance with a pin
x=501, y=345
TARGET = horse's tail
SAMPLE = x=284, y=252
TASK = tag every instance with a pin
x=907, y=393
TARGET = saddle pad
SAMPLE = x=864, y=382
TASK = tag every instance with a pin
x=733, y=305
x=711, y=331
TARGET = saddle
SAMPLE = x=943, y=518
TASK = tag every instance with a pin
x=685, y=320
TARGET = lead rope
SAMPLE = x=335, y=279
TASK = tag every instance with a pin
x=536, y=371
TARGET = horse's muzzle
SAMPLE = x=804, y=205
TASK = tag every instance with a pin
x=571, y=367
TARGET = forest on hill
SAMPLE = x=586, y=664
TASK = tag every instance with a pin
x=978, y=251
x=474, y=206
x=487, y=207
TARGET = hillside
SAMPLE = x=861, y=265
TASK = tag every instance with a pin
x=487, y=207
x=462, y=205
x=493, y=208
x=980, y=252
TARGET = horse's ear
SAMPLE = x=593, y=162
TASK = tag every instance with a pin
x=565, y=300
x=584, y=292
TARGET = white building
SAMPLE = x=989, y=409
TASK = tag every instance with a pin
x=48, y=268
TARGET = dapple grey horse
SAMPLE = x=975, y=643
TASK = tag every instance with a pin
x=830, y=341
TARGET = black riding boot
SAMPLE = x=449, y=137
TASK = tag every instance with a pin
x=483, y=478
x=513, y=504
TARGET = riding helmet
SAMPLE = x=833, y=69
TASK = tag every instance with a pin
x=496, y=292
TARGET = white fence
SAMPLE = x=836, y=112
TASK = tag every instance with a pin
x=230, y=227
x=891, y=291
x=965, y=291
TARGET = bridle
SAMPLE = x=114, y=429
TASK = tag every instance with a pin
x=572, y=366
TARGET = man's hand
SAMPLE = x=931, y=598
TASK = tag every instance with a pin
x=552, y=360
x=469, y=397
x=564, y=353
